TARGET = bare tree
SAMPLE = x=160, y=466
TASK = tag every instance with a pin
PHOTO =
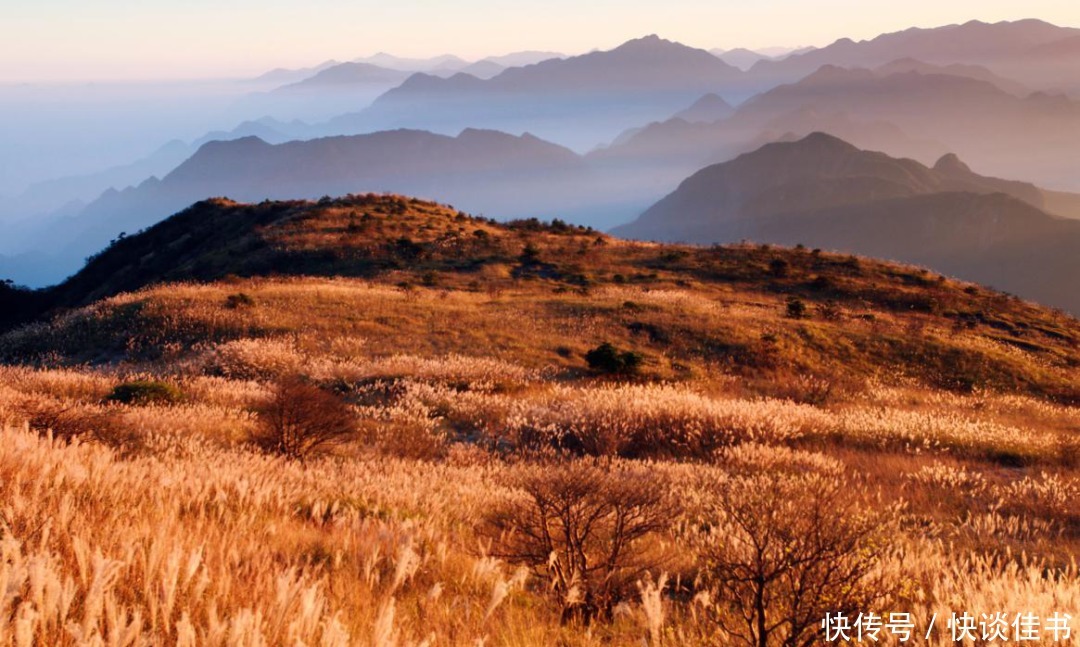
x=300, y=418
x=778, y=551
x=582, y=527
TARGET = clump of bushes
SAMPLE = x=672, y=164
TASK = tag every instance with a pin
x=239, y=300
x=796, y=308
x=609, y=360
x=299, y=419
x=141, y=392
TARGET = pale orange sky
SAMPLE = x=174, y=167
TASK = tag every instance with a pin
x=51, y=40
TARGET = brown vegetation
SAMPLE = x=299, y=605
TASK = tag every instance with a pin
x=907, y=442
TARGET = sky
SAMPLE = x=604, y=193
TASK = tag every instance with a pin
x=104, y=40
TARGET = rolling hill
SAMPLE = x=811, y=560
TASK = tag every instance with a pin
x=417, y=245
x=824, y=192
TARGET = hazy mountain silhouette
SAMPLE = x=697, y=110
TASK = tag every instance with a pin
x=482, y=171
x=740, y=57
x=483, y=69
x=48, y=196
x=906, y=108
x=1034, y=138
x=577, y=101
x=977, y=72
x=346, y=75
x=744, y=58
x=390, y=61
x=1016, y=50
x=281, y=75
x=518, y=59
x=327, y=91
x=824, y=192
x=707, y=109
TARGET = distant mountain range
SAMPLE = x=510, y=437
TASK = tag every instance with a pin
x=905, y=108
x=578, y=101
x=744, y=59
x=1034, y=137
x=345, y=75
x=823, y=192
x=1045, y=56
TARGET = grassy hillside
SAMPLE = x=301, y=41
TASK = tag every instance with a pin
x=445, y=282
x=919, y=433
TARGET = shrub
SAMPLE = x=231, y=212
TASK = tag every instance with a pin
x=239, y=300
x=606, y=358
x=779, y=268
x=796, y=308
x=145, y=392
x=530, y=253
x=581, y=528
x=299, y=419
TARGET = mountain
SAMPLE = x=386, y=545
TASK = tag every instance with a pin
x=653, y=159
x=905, y=107
x=1017, y=50
x=326, y=91
x=51, y=195
x=483, y=69
x=977, y=72
x=389, y=61
x=345, y=75
x=740, y=57
x=744, y=58
x=707, y=109
x=1033, y=138
x=577, y=101
x=824, y=192
x=519, y=59
x=483, y=171
x=282, y=75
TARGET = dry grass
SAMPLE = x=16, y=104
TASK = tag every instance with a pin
x=161, y=523
x=196, y=538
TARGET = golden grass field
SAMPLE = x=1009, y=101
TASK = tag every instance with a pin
x=939, y=421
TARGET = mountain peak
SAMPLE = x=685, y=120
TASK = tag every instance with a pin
x=650, y=43
x=824, y=141
x=950, y=164
x=709, y=108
